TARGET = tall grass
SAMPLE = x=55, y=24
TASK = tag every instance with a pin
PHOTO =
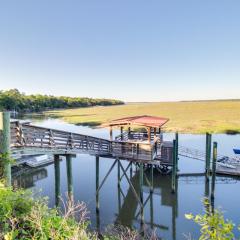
x=186, y=117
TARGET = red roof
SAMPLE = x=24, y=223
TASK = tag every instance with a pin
x=148, y=121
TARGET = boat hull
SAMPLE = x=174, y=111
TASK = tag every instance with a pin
x=236, y=151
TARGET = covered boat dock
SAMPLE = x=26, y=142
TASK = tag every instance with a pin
x=140, y=139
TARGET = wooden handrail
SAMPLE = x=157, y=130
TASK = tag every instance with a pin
x=36, y=136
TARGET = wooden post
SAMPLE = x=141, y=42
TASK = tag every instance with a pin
x=149, y=134
x=176, y=137
x=57, y=179
x=141, y=191
x=151, y=197
x=206, y=192
x=121, y=131
x=69, y=176
x=151, y=189
x=119, y=186
x=111, y=133
x=160, y=135
x=129, y=132
x=174, y=169
x=155, y=132
x=137, y=149
x=208, y=153
x=151, y=209
x=97, y=183
x=5, y=146
x=119, y=173
x=97, y=194
x=131, y=171
x=214, y=169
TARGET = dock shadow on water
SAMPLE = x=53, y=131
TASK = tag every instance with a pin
x=118, y=192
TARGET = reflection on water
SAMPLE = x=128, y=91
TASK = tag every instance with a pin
x=26, y=177
x=158, y=186
x=118, y=200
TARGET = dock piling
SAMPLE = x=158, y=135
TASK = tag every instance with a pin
x=69, y=176
x=208, y=153
x=119, y=173
x=119, y=186
x=151, y=189
x=97, y=194
x=131, y=171
x=5, y=147
x=214, y=170
x=151, y=210
x=174, y=167
x=97, y=183
x=176, y=138
x=57, y=179
x=141, y=191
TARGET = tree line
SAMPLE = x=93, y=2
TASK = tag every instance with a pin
x=13, y=100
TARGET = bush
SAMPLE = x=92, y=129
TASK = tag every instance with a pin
x=213, y=225
x=22, y=217
x=25, y=217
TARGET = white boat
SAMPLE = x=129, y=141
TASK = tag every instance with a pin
x=226, y=165
x=39, y=160
x=228, y=168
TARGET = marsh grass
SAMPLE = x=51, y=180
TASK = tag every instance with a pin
x=185, y=117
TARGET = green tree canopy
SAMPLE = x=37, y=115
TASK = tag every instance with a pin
x=14, y=100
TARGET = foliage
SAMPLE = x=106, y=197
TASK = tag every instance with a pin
x=25, y=217
x=22, y=217
x=213, y=225
x=14, y=100
x=118, y=232
x=5, y=158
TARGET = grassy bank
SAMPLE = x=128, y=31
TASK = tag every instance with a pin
x=187, y=117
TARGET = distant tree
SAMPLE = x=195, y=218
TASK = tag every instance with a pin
x=14, y=100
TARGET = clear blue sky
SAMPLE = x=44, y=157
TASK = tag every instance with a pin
x=134, y=50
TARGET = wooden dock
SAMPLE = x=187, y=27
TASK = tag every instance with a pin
x=147, y=147
x=31, y=139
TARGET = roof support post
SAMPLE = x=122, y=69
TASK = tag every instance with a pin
x=121, y=130
x=111, y=133
x=149, y=134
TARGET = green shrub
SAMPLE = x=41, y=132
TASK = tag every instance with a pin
x=22, y=217
x=212, y=224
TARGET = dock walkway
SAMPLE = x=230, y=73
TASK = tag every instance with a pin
x=31, y=139
x=28, y=139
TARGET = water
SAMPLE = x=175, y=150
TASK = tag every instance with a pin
x=163, y=211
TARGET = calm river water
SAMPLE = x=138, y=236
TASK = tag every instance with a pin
x=163, y=211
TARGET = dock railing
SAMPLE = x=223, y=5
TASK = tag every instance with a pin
x=135, y=135
x=133, y=146
x=26, y=135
